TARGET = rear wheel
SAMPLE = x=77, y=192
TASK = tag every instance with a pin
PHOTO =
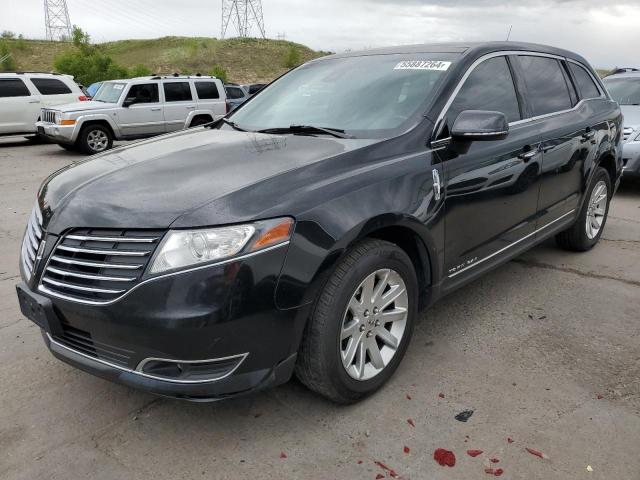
x=95, y=139
x=361, y=325
x=587, y=229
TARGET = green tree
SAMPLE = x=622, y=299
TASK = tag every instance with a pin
x=292, y=58
x=7, y=62
x=8, y=35
x=87, y=62
x=139, y=71
x=219, y=71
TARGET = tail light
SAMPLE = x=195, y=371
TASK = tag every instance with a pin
x=83, y=98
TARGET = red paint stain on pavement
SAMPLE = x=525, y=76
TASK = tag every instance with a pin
x=410, y=422
x=406, y=449
x=444, y=457
x=474, y=453
x=537, y=453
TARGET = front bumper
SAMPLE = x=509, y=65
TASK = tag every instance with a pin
x=57, y=133
x=631, y=158
x=218, y=312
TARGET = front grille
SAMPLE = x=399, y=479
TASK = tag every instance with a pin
x=82, y=342
x=626, y=134
x=98, y=266
x=31, y=242
x=48, y=116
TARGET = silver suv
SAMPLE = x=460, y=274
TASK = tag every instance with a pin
x=625, y=89
x=135, y=108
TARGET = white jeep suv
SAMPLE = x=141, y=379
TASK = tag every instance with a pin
x=135, y=108
x=22, y=96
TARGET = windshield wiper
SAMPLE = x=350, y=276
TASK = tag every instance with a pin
x=308, y=129
x=233, y=125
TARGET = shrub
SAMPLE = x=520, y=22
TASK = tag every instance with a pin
x=86, y=62
x=219, y=71
x=292, y=58
x=8, y=63
x=139, y=71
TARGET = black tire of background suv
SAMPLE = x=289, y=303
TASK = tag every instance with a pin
x=575, y=238
x=82, y=138
x=319, y=365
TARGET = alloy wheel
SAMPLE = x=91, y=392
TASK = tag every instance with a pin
x=374, y=324
x=596, y=209
x=97, y=140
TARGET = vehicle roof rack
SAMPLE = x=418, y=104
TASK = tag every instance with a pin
x=156, y=76
x=41, y=73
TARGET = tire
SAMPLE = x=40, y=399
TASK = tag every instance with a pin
x=321, y=364
x=95, y=139
x=197, y=122
x=579, y=237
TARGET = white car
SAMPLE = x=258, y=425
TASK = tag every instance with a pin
x=23, y=95
x=135, y=108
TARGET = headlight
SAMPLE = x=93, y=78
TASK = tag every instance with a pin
x=185, y=248
x=57, y=118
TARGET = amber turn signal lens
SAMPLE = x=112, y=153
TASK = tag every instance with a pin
x=67, y=122
x=278, y=234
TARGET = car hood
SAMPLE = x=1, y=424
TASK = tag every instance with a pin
x=150, y=184
x=631, y=115
x=83, y=106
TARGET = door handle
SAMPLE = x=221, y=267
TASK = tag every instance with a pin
x=191, y=108
x=528, y=154
x=156, y=109
x=34, y=101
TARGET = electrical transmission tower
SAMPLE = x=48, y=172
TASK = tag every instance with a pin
x=56, y=18
x=243, y=14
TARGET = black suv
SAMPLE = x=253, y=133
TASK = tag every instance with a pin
x=304, y=232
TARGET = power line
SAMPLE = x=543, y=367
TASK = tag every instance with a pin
x=243, y=14
x=56, y=19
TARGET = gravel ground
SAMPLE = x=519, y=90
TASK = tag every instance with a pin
x=545, y=350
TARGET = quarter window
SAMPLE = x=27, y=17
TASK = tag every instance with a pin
x=50, y=86
x=488, y=87
x=587, y=86
x=177, y=92
x=13, y=87
x=546, y=85
x=207, y=90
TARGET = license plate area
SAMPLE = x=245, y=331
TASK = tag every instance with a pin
x=38, y=309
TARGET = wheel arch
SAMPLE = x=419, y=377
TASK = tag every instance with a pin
x=96, y=121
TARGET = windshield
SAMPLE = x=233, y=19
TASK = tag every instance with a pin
x=109, y=92
x=625, y=91
x=372, y=96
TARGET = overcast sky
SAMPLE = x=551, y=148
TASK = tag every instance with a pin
x=607, y=32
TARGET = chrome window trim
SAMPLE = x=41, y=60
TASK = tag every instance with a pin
x=475, y=264
x=241, y=356
x=45, y=290
x=505, y=53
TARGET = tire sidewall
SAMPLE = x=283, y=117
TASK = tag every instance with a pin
x=600, y=175
x=376, y=259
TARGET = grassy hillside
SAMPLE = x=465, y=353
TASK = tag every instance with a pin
x=246, y=60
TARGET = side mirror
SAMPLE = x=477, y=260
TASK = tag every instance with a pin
x=475, y=125
x=128, y=102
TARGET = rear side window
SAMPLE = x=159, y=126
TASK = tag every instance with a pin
x=207, y=90
x=177, y=92
x=488, y=87
x=144, y=93
x=546, y=85
x=587, y=86
x=235, y=92
x=50, y=86
x=13, y=87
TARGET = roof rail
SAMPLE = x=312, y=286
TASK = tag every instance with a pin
x=156, y=76
x=618, y=70
x=41, y=73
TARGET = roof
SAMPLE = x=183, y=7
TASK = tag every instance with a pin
x=163, y=77
x=623, y=75
x=464, y=48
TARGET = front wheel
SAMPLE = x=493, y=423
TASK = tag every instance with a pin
x=362, y=323
x=587, y=229
x=95, y=139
